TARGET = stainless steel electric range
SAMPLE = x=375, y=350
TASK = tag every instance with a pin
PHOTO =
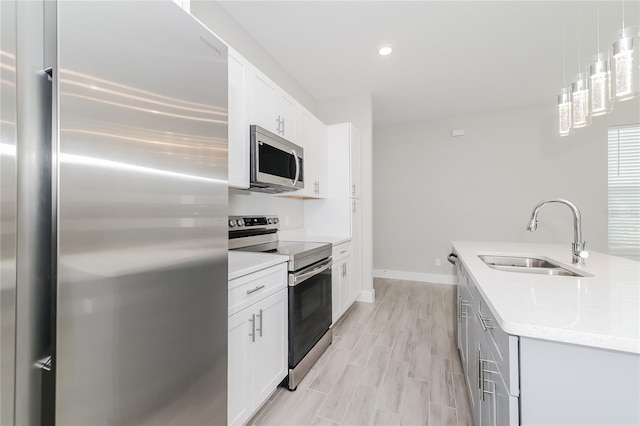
x=309, y=268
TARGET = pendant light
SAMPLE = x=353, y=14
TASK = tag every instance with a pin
x=564, y=115
x=581, y=113
x=600, y=79
x=626, y=65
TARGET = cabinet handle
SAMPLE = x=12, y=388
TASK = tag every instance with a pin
x=353, y=189
x=283, y=128
x=278, y=122
x=354, y=206
x=482, y=380
x=260, y=316
x=255, y=289
x=343, y=251
x=484, y=322
x=479, y=372
x=253, y=327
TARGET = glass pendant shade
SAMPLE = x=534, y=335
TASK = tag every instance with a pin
x=564, y=113
x=626, y=65
x=600, y=86
x=581, y=116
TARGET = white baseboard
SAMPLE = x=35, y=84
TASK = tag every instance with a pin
x=415, y=276
x=367, y=296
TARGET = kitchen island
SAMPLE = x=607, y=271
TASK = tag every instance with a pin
x=545, y=349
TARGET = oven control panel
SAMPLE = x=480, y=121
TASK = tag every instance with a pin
x=253, y=222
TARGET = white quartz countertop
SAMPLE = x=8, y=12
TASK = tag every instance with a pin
x=602, y=310
x=335, y=240
x=244, y=263
x=301, y=235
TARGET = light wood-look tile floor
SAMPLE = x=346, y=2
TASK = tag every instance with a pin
x=392, y=362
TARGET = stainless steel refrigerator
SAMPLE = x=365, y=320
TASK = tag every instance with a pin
x=113, y=194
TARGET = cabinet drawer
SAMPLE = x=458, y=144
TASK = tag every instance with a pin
x=341, y=251
x=249, y=289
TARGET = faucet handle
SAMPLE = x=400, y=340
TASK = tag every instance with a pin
x=583, y=254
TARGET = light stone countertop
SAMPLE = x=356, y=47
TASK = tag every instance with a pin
x=301, y=235
x=601, y=311
x=243, y=263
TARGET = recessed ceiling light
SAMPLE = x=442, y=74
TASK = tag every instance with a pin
x=385, y=50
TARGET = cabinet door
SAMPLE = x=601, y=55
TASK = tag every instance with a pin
x=506, y=406
x=336, y=280
x=287, y=113
x=321, y=159
x=473, y=358
x=356, y=178
x=184, y=4
x=263, y=101
x=270, y=359
x=240, y=360
x=356, y=257
x=346, y=299
x=307, y=141
x=487, y=383
x=238, y=120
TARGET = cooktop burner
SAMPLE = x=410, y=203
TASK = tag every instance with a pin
x=260, y=234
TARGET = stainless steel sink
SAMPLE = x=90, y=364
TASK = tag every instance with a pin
x=527, y=265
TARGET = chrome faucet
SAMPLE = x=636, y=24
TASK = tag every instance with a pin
x=579, y=253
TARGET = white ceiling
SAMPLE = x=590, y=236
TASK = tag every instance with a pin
x=449, y=58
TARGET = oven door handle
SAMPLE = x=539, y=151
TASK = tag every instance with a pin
x=305, y=274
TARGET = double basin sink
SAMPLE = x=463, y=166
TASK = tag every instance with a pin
x=528, y=265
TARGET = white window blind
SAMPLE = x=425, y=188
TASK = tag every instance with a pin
x=624, y=191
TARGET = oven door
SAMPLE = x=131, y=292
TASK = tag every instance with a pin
x=309, y=308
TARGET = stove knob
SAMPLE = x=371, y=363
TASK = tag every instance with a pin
x=232, y=223
x=276, y=220
x=240, y=222
x=270, y=221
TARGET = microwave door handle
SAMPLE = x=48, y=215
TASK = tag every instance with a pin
x=295, y=158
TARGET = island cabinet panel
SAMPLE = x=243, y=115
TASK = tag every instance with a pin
x=562, y=383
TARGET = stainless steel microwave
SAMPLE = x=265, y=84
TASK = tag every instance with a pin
x=276, y=163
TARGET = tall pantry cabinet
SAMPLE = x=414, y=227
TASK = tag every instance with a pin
x=341, y=213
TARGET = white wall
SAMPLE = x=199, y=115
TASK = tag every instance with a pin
x=431, y=188
x=289, y=210
x=359, y=111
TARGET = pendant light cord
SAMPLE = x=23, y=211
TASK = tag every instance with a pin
x=579, y=39
x=598, y=29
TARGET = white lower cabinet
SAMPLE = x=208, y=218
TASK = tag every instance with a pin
x=257, y=354
x=342, y=292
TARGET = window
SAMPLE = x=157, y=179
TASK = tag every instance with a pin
x=624, y=191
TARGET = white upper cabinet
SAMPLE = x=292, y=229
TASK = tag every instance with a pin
x=185, y=4
x=312, y=136
x=239, y=70
x=272, y=108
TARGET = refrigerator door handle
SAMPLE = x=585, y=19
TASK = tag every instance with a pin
x=45, y=363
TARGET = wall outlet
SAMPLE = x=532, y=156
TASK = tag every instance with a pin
x=437, y=262
x=457, y=132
